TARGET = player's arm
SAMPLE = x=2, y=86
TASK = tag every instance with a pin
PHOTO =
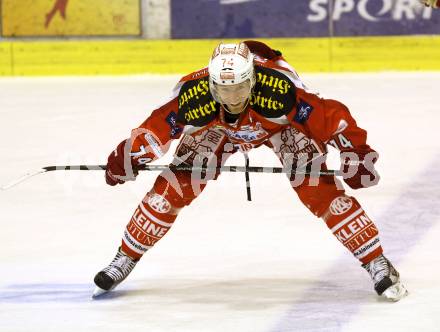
x=263, y=50
x=275, y=57
x=331, y=122
x=148, y=142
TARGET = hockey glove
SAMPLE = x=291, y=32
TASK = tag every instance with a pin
x=119, y=168
x=357, y=166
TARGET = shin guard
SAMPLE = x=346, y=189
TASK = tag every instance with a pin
x=156, y=213
x=150, y=222
x=353, y=228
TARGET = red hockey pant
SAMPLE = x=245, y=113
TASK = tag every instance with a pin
x=323, y=196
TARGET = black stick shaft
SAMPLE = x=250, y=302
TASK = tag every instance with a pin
x=250, y=169
x=246, y=169
x=248, y=182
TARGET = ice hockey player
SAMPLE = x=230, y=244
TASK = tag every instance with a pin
x=249, y=96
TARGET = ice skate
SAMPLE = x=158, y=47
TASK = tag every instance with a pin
x=114, y=274
x=386, y=279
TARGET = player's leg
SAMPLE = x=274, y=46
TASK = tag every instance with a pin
x=157, y=212
x=349, y=223
x=151, y=220
x=343, y=215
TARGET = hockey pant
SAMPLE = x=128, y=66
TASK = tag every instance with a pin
x=324, y=196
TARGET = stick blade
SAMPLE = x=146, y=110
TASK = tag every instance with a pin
x=22, y=179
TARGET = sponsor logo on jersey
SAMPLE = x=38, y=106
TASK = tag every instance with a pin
x=367, y=248
x=264, y=102
x=200, y=150
x=154, y=144
x=196, y=105
x=356, y=231
x=303, y=111
x=247, y=133
x=279, y=85
x=296, y=149
x=200, y=112
x=145, y=228
x=273, y=95
x=340, y=205
x=159, y=203
x=195, y=91
x=172, y=121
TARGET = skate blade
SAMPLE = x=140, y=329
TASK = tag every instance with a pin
x=395, y=292
x=98, y=292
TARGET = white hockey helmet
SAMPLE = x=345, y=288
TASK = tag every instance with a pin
x=231, y=66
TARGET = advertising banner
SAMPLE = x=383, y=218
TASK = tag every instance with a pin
x=305, y=18
x=378, y=17
x=70, y=18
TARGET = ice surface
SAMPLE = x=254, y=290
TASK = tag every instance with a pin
x=227, y=264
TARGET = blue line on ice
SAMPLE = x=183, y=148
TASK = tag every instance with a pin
x=46, y=292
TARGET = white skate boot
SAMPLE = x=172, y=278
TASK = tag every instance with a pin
x=386, y=279
x=114, y=274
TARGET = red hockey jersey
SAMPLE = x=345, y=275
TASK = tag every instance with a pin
x=279, y=99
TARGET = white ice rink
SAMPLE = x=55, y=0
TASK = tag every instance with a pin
x=227, y=264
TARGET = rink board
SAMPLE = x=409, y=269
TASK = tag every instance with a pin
x=30, y=18
x=74, y=57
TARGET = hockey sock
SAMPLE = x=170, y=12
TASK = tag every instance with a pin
x=150, y=222
x=353, y=228
x=156, y=213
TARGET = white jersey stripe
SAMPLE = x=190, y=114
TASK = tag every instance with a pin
x=348, y=219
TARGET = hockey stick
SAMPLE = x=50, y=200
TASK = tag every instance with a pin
x=234, y=169
x=246, y=174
